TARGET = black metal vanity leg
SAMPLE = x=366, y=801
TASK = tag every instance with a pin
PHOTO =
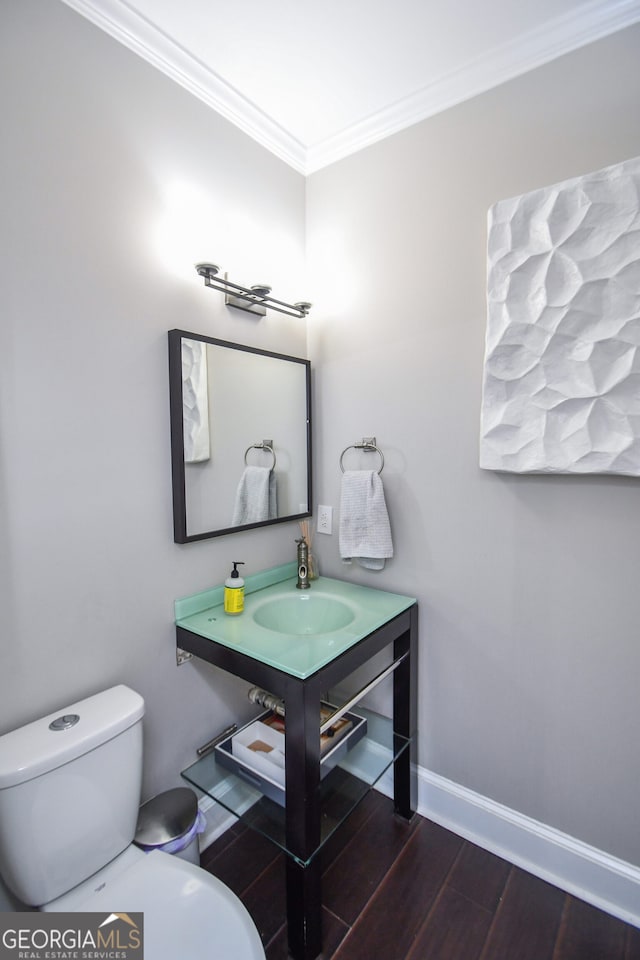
x=304, y=909
x=302, y=769
x=404, y=717
x=402, y=765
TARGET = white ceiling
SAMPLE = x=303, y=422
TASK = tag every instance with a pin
x=316, y=81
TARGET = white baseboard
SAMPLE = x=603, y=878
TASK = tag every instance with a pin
x=590, y=874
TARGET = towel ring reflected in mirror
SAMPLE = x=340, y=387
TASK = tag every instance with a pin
x=369, y=446
x=261, y=446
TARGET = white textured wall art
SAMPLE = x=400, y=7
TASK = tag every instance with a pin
x=195, y=401
x=561, y=391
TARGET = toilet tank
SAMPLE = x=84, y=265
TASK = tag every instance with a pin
x=69, y=793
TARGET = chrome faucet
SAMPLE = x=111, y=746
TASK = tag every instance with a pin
x=303, y=565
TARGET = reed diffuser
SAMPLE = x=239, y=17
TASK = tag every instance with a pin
x=312, y=564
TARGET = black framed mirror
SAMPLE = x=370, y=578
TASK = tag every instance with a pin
x=240, y=436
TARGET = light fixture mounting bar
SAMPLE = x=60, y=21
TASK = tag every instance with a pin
x=256, y=300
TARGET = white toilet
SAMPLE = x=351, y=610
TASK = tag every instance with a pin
x=69, y=796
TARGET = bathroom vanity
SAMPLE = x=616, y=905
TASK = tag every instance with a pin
x=300, y=646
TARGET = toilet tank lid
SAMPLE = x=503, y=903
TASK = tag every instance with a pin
x=36, y=748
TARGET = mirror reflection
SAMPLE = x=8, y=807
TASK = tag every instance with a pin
x=240, y=436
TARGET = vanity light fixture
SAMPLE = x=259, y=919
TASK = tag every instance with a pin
x=256, y=299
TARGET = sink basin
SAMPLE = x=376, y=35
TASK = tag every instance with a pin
x=295, y=631
x=304, y=614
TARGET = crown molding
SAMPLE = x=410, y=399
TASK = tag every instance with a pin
x=564, y=34
x=137, y=33
x=595, y=20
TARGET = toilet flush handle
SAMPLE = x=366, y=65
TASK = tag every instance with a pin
x=64, y=722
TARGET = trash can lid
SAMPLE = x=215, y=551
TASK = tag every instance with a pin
x=166, y=817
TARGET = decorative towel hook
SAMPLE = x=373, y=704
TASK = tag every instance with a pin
x=264, y=445
x=368, y=444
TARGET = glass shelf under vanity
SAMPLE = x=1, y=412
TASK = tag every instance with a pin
x=340, y=791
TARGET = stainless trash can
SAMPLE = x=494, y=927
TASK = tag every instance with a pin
x=171, y=822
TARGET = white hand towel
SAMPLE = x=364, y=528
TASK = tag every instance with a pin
x=256, y=497
x=365, y=533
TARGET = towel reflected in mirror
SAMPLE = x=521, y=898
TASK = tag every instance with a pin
x=256, y=497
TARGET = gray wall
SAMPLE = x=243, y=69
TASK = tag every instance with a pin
x=114, y=182
x=529, y=604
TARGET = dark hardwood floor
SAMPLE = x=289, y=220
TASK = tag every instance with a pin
x=398, y=891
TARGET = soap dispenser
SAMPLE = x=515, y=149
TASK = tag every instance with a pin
x=234, y=591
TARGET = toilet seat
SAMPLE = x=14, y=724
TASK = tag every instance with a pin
x=188, y=913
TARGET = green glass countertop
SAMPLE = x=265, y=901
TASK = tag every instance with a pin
x=296, y=631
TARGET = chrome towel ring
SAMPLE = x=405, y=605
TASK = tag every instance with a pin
x=368, y=444
x=265, y=445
